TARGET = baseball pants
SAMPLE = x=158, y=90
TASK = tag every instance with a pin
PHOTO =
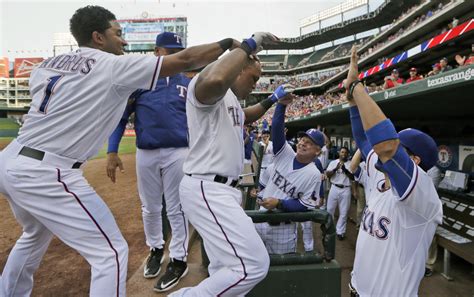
x=160, y=171
x=238, y=258
x=279, y=239
x=48, y=198
x=341, y=198
x=308, y=240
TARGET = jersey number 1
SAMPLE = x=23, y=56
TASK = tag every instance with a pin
x=52, y=81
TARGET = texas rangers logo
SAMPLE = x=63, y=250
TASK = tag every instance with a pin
x=445, y=156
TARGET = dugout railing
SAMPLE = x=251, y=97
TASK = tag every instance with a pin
x=301, y=274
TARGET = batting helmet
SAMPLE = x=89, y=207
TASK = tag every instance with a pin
x=421, y=145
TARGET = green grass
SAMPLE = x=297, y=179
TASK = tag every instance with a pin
x=8, y=124
x=127, y=146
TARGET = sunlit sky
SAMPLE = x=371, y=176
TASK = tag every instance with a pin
x=28, y=27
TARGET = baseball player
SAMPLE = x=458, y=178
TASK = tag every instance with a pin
x=294, y=181
x=360, y=177
x=267, y=144
x=238, y=259
x=307, y=227
x=162, y=145
x=77, y=101
x=403, y=208
x=340, y=192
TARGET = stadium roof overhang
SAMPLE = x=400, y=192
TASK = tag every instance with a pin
x=375, y=19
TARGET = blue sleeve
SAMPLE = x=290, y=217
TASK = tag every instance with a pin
x=321, y=190
x=116, y=136
x=292, y=205
x=400, y=167
x=278, y=128
x=400, y=171
x=358, y=131
x=318, y=164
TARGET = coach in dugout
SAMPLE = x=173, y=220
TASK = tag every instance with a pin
x=162, y=145
x=293, y=181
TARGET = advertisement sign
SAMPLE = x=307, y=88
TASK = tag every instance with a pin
x=129, y=133
x=24, y=66
x=4, y=67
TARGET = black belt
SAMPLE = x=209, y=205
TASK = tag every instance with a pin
x=223, y=180
x=341, y=186
x=353, y=291
x=39, y=155
x=279, y=223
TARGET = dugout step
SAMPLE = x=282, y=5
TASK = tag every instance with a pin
x=313, y=280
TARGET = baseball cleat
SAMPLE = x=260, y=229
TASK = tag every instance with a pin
x=153, y=263
x=174, y=272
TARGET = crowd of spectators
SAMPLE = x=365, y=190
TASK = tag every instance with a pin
x=298, y=80
x=307, y=104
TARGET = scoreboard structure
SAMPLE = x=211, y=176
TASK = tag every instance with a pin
x=140, y=33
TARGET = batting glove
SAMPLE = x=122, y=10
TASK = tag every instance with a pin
x=281, y=92
x=258, y=42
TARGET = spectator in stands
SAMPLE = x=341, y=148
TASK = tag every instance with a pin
x=393, y=80
x=436, y=69
x=414, y=75
x=462, y=61
x=443, y=63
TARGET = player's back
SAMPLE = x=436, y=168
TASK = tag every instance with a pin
x=78, y=99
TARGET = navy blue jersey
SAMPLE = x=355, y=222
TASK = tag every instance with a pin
x=160, y=115
x=248, y=146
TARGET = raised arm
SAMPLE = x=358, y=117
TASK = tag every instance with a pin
x=214, y=81
x=356, y=159
x=380, y=132
x=370, y=115
x=195, y=57
x=256, y=111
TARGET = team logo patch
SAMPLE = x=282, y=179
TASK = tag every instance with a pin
x=445, y=156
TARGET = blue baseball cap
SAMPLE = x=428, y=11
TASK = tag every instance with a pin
x=420, y=144
x=169, y=40
x=315, y=135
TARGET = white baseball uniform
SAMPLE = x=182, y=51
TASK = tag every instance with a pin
x=238, y=259
x=397, y=231
x=267, y=157
x=339, y=195
x=324, y=157
x=288, y=183
x=78, y=99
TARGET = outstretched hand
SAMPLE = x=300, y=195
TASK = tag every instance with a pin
x=353, y=73
x=261, y=40
x=283, y=94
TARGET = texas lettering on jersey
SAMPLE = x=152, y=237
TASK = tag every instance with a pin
x=70, y=63
x=375, y=226
x=284, y=185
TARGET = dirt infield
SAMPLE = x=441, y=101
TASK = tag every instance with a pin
x=63, y=272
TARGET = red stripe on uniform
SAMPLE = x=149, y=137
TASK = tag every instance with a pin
x=97, y=224
x=227, y=239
